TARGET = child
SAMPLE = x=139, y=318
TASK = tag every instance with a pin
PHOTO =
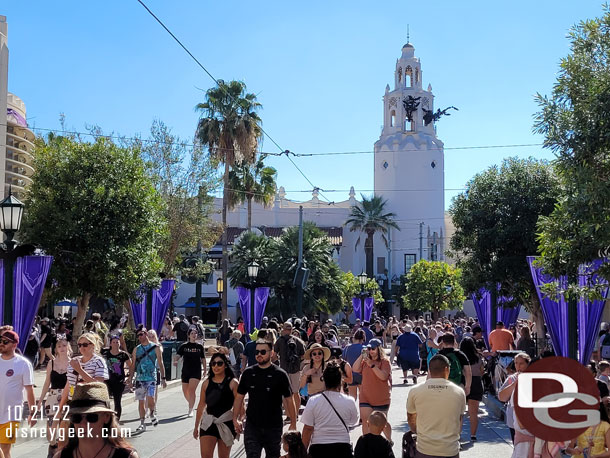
x=373, y=445
x=603, y=369
x=293, y=445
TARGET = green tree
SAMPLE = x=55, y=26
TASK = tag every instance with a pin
x=574, y=121
x=433, y=286
x=184, y=177
x=252, y=182
x=495, y=227
x=350, y=287
x=231, y=129
x=93, y=207
x=370, y=217
x=251, y=247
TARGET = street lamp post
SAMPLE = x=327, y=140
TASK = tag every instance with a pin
x=219, y=289
x=252, y=274
x=11, y=211
x=362, y=279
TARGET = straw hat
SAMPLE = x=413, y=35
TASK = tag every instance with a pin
x=89, y=398
x=317, y=346
x=217, y=349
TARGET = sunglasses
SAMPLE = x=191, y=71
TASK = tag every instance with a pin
x=261, y=352
x=90, y=417
x=217, y=363
x=5, y=341
x=84, y=344
x=140, y=334
x=316, y=353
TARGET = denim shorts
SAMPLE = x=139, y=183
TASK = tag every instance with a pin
x=145, y=389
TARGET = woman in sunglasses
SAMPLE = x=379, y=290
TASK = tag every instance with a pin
x=215, y=424
x=96, y=430
x=311, y=375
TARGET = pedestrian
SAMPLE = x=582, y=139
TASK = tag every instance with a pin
x=526, y=344
x=115, y=360
x=214, y=419
x=375, y=393
x=379, y=332
x=54, y=384
x=311, y=375
x=152, y=336
x=236, y=348
x=368, y=334
x=100, y=436
x=373, y=445
x=145, y=359
x=475, y=396
x=32, y=347
x=434, y=412
x=248, y=357
x=16, y=377
x=318, y=338
x=193, y=358
x=460, y=373
x=292, y=443
x=393, y=332
x=350, y=354
x=47, y=335
x=290, y=350
x=327, y=418
x=224, y=332
x=200, y=330
x=115, y=331
x=501, y=339
x=99, y=326
x=595, y=441
x=268, y=388
x=408, y=353
x=166, y=330
x=506, y=393
x=181, y=329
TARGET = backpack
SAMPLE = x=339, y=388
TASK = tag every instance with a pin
x=200, y=330
x=292, y=356
x=605, y=347
x=455, y=368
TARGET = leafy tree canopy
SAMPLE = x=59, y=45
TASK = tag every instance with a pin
x=433, y=286
x=495, y=226
x=574, y=121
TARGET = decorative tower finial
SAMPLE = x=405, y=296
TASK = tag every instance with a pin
x=408, y=35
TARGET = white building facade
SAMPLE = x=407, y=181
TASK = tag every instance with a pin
x=408, y=172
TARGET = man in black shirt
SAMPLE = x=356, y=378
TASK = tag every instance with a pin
x=460, y=371
x=181, y=329
x=267, y=387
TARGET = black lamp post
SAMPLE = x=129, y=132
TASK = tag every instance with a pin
x=220, y=286
x=252, y=274
x=11, y=211
x=362, y=279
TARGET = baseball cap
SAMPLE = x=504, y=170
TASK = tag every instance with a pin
x=374, y=343
x=11, y=335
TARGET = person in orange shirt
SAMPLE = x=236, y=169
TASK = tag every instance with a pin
x=501, y=338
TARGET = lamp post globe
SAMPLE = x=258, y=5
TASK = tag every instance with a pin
x=219, y=285
x=253, y=270
x=362, y=278
x=11, y=211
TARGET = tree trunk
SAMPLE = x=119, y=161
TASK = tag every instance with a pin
x=368, y=251
x=225, y=253
x=249, y=212
x=83, y=305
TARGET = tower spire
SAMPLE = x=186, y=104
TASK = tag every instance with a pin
x=408, y=35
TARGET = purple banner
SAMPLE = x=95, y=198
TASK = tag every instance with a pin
x=357, y=306
x=161, y=300
x=30, y=276
x=243, y=295
x=589, y=312
x=260, y=302
x=138, y=307
x=555, y=313
x=368, y=308
x=482, y=306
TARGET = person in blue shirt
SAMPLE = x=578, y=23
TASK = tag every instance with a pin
x=408, y=353
x=350, y=354
x=368, y=334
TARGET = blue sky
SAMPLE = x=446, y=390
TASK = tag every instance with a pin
x=319, y=68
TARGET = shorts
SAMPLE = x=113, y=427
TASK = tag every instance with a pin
x=383, y=408
x=356, y=379
x=406, y=364
x=145, y=389
x=51, y=404
x=8, y=432
x=476, y=389
x=187, y=375
x=213, y=430
x=295, y=381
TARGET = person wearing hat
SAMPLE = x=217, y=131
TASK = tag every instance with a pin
x=95, y=426
x=311, y=375
x=375, y=393
x=16, y=374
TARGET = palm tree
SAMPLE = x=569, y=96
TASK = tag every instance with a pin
x=231, y=129
x=252, y=182
x=369, y=217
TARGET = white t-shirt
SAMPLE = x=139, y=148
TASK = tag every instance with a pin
x=15, y=373
x=438, y=404
x=95, y=367
x=510, y=407
x=327, y=428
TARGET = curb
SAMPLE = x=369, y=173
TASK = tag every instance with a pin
x=495, y=407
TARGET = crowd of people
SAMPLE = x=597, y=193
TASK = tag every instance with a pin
x=334, y=379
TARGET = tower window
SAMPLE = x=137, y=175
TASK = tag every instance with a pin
x=408, y=76
x=392, y=118
x=399, y=74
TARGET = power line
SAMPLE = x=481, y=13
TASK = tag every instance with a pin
x=222, y=87
x=339, y=153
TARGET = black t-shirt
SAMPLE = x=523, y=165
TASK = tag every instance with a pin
x=116, y=364
x=461, y=357
x=480, y=344
x=193, y=353
x=181, y=329
x=373, y=445
x=48, y=340
x=266, y=388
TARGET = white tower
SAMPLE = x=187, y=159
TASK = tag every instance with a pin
x=409, y=169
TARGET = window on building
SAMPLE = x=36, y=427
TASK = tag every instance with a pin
x=408, y=76
x=392, y=118
x=380, y=265
x=410, y=259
